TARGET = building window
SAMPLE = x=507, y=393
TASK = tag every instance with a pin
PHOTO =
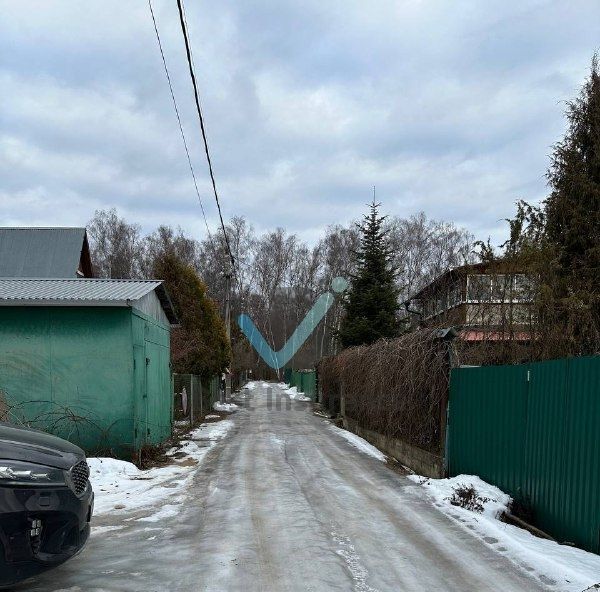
x=454, y=295
x=524, y=288
x=479, y=288
x=501, y=288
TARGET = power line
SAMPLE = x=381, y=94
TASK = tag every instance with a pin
x=225, y=242
x=185, y=145
x=199, y=110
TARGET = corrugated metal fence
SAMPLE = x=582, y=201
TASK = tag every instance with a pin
x=534, y=431
x=304, y=380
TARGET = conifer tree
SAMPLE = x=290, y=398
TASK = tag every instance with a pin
x=371, y=303
x=558, y=243
x=572, y=213
x=199, y=344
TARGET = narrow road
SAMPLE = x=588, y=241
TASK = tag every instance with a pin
x=286, y=504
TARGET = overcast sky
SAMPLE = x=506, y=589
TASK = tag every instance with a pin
x=450, y=107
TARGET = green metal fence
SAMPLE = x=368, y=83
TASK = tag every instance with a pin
x=304, y=380
x=533, y=430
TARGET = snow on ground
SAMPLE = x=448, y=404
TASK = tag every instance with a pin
x=359, y=442
x=120, y=487
x=212, y=416
x=572, y=569
x=210, y=432
x=226, y=407
x=292, y=392
x=494, y=500
x=246, y=392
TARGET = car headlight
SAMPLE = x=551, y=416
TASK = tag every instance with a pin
x=15, y=472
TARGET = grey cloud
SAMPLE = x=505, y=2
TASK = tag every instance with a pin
x=448, y=107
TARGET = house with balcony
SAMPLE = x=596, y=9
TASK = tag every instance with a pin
x=484, y=302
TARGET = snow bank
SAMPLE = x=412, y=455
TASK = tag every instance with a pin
x=358, y=442
x=293, y=393
x=120, y=487
x=493, y=500
x=250, y=385
x=226, y=407
x=568, y=568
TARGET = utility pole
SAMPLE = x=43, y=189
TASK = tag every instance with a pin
x=226, y=393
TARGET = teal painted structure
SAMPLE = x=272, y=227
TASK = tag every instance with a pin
x=304, y=380
x=532, y=430
x=287, y=375
x=98, y=376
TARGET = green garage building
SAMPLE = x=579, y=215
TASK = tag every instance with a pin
x=88, y=359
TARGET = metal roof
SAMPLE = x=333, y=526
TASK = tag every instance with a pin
x=81, y=292
x=41, y=252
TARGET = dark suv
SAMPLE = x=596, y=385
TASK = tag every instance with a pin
x=46, y=502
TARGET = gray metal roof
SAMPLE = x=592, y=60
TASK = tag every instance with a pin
x=81, y=292
x=40, y=252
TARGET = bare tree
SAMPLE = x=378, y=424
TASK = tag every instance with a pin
x=273, y=256
x=167, y=241
x=277, y=277
x=337, y=248
x=424, y=249
x=115, y=245
x=213, y=259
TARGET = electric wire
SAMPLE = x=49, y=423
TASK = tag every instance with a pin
x=226, y=244
x=185, y=144
x=234, y=260
x=182, y=21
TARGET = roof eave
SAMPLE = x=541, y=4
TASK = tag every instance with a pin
x=64, y=302
x=167, y=304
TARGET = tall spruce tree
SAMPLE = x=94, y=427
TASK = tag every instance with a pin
x=572, y=213
x=371, y=303
x=558, y=243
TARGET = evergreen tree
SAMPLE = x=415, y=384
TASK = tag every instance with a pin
x=371, y=303
x=558, y=243
x=572, y=213
x=199, y=345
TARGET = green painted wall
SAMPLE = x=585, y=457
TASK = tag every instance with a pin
x=82, y=373
x=153, y=401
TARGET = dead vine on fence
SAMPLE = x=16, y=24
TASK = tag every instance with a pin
x=394, y=387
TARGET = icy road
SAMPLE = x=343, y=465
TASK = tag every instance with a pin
x=284, y=503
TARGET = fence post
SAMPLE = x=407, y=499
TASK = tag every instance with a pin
x=318, y=389
x=172, y=403
x=447, y=337
x=201, y=395
x=191, y=400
